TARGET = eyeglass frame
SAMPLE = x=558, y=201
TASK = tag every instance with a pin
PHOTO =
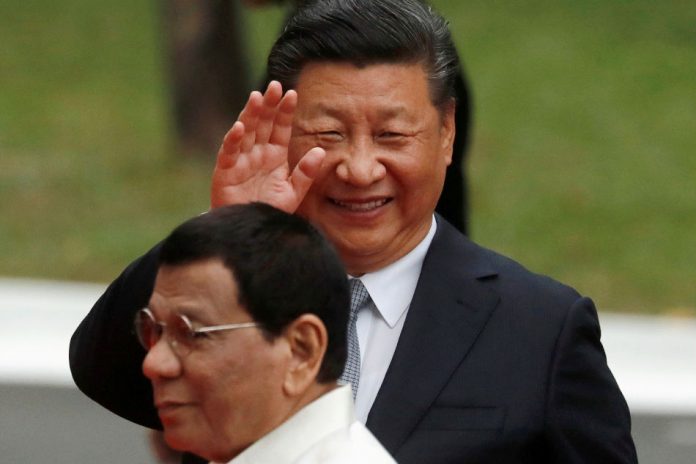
x=174, y=344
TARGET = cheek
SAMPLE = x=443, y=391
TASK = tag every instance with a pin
x=239, y=391
x=248, y=411
x=213, y=379
x=224, y=398
x=412, y=171
x=419, y=180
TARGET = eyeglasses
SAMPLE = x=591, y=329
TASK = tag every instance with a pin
x=182, y=336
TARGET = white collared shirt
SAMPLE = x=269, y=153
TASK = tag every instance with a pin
x=324, y=431
x=380, y=325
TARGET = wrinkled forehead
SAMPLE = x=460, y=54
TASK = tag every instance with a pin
x=392, y=86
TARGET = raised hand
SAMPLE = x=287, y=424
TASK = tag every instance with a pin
x=252, y=163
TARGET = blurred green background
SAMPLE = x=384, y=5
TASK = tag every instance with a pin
x=582, y=165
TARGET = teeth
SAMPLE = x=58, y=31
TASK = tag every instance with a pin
x=367, y=206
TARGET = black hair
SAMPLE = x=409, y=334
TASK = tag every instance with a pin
x=364, y=32
x=282, y=265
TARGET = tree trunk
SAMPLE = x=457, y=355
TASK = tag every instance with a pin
x=208, y=70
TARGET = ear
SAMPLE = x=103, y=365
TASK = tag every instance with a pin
x=447, y=130
x=307, y=339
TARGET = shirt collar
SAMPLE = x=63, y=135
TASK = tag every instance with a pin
x=286, y=443
x=392, y=287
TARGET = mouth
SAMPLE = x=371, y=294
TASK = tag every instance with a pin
x=164, y=407
x=360, y=206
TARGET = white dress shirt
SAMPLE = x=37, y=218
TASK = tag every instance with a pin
x=379, y=325
x=323, y=432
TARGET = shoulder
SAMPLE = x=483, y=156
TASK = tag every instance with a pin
x=454, y=255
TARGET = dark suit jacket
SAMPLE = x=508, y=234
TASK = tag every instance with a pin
x=495, y=364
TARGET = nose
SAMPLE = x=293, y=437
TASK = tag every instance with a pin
x=360, y=165
x=161, y=362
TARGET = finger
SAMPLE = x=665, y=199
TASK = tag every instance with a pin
x=306, y=171
x=271, y=98
x=250, y=117
x=282, y=125
x=229, y=150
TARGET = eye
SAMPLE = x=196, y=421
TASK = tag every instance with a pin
x=330, y=136
x=390, y=135
x=184, y=332
x=392, y=139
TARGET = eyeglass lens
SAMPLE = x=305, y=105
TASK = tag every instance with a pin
x=149, y=331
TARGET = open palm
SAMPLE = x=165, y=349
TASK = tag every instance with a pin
x=252, y=164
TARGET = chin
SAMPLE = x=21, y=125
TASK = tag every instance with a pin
x=180, y=440
x=176, y=440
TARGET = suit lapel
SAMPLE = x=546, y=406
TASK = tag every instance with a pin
x=449, y=309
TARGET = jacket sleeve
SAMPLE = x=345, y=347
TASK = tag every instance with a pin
x=105, y=356
x=587, y=418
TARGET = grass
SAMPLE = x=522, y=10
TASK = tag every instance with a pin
x=581, y=165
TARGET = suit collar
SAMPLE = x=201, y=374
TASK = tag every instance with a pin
x=449, y=309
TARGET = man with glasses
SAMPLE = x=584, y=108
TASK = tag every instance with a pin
x=245, y=337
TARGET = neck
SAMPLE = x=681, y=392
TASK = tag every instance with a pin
x=315, y=391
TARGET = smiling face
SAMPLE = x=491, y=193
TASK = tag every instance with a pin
x=227, y=392
x=387, y=148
